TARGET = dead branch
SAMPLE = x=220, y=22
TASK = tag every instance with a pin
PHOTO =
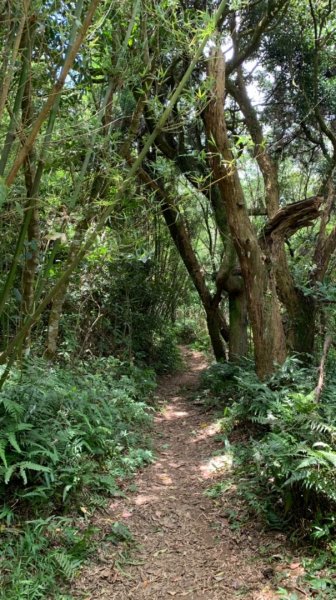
x=289, y=219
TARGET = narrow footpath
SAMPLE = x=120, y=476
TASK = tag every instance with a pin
x=185, y=544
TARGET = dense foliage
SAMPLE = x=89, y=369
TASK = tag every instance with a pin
x=281, y=443
x=292, y=443
x=93, y=417
x=69, y=438
x=167, y=174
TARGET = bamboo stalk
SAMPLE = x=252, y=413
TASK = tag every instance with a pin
x=39, y=171
x=9, y=75
x=54, y=94
x=10, y=136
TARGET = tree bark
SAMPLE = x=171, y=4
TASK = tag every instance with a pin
x=238, y=342
x=326, y=242
x=214, y=324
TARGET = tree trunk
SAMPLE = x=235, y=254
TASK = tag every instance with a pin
x=300, y=325
x=217, y=327
x=259, y=280
x=214, y=323
x=304, y=327
x=238, y=342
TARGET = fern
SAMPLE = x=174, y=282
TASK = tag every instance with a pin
x=12, y=408
x=13, y=441
x=66, y=565
x=3, y=445
x=63, y=433
x=67, y=437
x=291, y=455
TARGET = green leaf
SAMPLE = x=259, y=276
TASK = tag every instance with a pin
x=23, y=475
x=66, y=491
x=34, y=467
x=329, y=456
x=119, y=533
x=13, y=441
x=3, y=444
x=9, y=472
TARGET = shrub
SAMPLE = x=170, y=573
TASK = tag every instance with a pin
x=186, y=331
x=165, y=355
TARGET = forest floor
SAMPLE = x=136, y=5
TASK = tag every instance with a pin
x=185, y=544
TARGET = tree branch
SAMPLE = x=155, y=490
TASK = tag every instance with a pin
x=238, y=59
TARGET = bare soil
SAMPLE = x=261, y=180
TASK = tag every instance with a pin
x=186, y=545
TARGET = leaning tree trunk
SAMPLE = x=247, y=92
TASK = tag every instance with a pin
x=213, y=319
x=217, y=326
x=259, y=279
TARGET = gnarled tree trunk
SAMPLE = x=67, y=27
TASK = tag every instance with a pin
x=257, y=271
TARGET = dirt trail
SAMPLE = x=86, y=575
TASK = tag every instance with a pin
x=186, y=546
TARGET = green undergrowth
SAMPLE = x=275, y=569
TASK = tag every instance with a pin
x=283, y=446
x=192, y=332
x=69, y=440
